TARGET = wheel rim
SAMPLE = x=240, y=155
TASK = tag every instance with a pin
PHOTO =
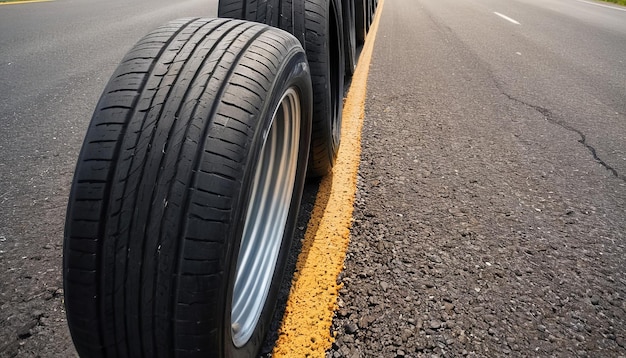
x=266, y=217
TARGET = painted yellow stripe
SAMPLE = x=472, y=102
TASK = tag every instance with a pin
x=305, y=329
x=23, y=2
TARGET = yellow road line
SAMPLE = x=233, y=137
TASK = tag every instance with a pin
x=23, y=2
x=305, y=329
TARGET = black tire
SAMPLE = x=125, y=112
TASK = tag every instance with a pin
x=367, y=15
x=349, y=35
x=324, y=49
x=319, y=27
x=283, y=14
x=169, y=186
x=374, y=7
x=372, y=12
x=360, y=21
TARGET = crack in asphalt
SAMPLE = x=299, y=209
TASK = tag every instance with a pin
x=583, y=138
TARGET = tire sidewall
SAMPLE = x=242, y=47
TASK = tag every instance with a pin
x=350, y=41
x=335, y=100
x=299, y=78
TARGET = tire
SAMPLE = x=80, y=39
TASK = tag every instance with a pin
x=192, y=170
x=368, y=15
x=324, y=50
x=366, y=3
x=349, y=35
x=359, y=20
x=319, y=27
x=374, y=7
x=287, y=15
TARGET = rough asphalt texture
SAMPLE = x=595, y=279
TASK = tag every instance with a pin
x=483, y=226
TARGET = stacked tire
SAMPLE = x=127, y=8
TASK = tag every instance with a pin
x=188, y=185
x=331, y=32
x=319, y=27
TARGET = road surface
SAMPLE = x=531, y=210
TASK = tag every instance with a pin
x=491, y=211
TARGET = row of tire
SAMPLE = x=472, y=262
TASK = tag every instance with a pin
x=187, y=188
x=331, y=32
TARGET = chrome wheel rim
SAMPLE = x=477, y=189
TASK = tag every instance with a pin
x=266, y=218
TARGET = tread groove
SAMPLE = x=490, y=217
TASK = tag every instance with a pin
x=113, y=170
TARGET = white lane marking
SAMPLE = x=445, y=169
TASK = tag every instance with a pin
x=506, y=18
x=602, y=5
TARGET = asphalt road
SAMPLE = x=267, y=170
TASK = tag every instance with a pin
x=527, y=111
x=564, y=56
x=490, y=218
